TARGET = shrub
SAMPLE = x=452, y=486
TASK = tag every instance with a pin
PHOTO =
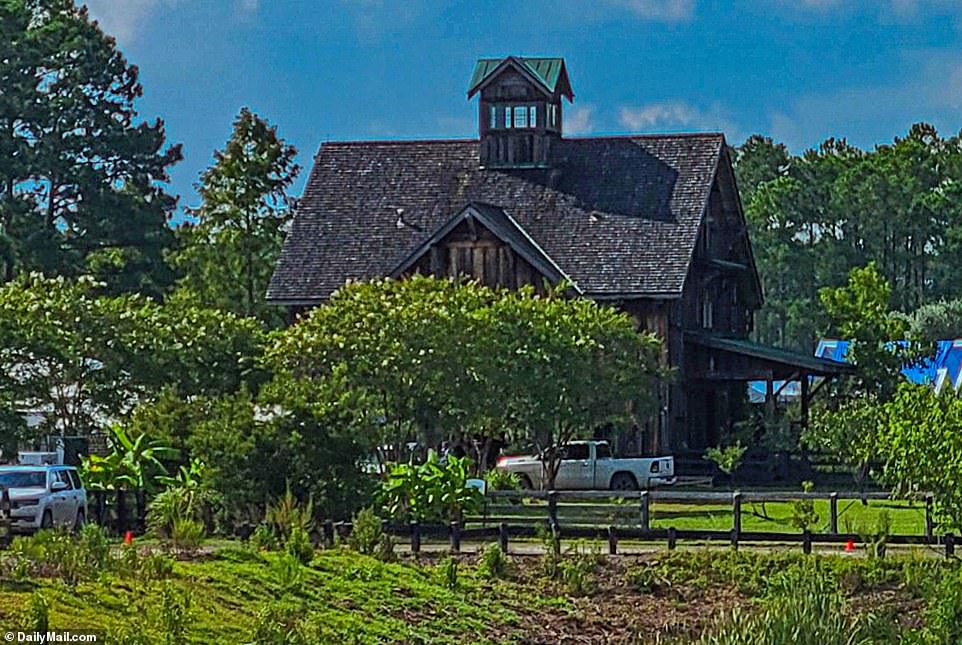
x=57, y=553
x=299, y=545
x=448, y=571
x=493, y=562
x=263, y=538
x=727, y=459
x=804, y=516
x=432, y=491
x=281, y=623
x=578, y=567
x=366, y=532
x=289, y=571
x=187, y=535
x=155, y=566
x=288, y=515
x=498, y=479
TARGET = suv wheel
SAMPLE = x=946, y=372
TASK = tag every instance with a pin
x=623, y=481
x=46, y=522
x=525, y=482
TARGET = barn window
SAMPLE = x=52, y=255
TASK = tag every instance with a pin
x=507, y=116
x=707, y=313
x=533, y=116
x=521, y=116
x=494, y=117
x=552, y=116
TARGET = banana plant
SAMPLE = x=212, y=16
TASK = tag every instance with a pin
x=133, y=463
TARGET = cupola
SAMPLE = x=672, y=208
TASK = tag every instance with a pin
x=519, y=114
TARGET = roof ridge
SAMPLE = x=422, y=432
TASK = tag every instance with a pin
x=444, y=140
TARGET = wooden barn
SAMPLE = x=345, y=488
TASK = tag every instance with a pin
x=648, y=223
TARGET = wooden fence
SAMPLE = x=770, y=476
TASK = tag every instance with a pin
x=505, y=517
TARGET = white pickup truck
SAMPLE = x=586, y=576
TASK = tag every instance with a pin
x=588, y=465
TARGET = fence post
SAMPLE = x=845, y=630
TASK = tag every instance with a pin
x=553, y=509
x=121, y=511
x=736, y=518
x=5, y=504
x=612, y=541
x=100, y=506
x=949, y=545
x=5, y=523
x=328, y=534
x=833, y=516
x=455, y=536
x=929, y=520
x=503, y=536
x=672, y=538
x=645, y=511
x=807, y=542
x=415, y=537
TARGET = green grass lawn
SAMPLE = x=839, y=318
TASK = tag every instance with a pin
x=853, y=517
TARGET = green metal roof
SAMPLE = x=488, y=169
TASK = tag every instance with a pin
x=811, y=364
x=548, y=71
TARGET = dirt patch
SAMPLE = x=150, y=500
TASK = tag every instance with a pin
x=617, y=612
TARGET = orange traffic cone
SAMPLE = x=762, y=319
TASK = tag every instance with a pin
x=850, y=546
x=129, y=538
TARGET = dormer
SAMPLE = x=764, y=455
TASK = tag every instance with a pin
x=519, y=114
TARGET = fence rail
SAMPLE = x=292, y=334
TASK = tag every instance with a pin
x=574, y=521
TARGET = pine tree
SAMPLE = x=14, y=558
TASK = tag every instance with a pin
x=229, y=254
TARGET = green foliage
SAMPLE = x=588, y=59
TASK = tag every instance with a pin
x=728, y=459
x=448, y=572
x=437, y=356
x=263, y=538
x=175, y=615
x=187, y=534
x=494, y=563
x=229, y=254
x=815, y=216
x=497, y=479
x=54, y=553
x=366, y=532
x=432, y=491
x=82, y=175
x=133, y=463
x=920, y=447
x=292, y=522
x=577, y=569
x=803, y=608
x=36, y=615
x=804, y=516
x=290, y=572
x=936, y=321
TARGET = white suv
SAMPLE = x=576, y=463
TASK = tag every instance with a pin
x=44, y=497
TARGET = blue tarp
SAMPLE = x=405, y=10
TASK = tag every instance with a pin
x=944, y=370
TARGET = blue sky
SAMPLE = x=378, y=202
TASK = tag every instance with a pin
x=797, y=70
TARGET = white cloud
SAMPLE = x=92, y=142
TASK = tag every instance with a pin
x=673, y=115
x=667, y=10
x=929, y=89
x=123, y=19
x=579, y=120
x=887, y=9
x=248, y=6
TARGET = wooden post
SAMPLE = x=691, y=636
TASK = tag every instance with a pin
x=672, y=538
x=121, y=512
x=503, y=536
x=415, y=537
x=807, y=542
x=5, y=504
x=736, y=517
x=949, y=545
x=455, y=536
x=141, y=496
x=645, y=511
x=553, y=509
x=612, y=541
x=806, y=397
x=833, y=510
x=100, y=506
x=328, y=534
x=929, y=519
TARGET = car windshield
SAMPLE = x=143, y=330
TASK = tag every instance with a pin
x=24, y=479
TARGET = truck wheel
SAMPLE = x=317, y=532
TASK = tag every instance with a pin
x=623, y=481
x=525, y=482
x=46, y=522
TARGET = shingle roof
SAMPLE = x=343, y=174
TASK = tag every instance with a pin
x=619, y=215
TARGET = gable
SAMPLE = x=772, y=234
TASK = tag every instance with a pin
x=548, y=74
